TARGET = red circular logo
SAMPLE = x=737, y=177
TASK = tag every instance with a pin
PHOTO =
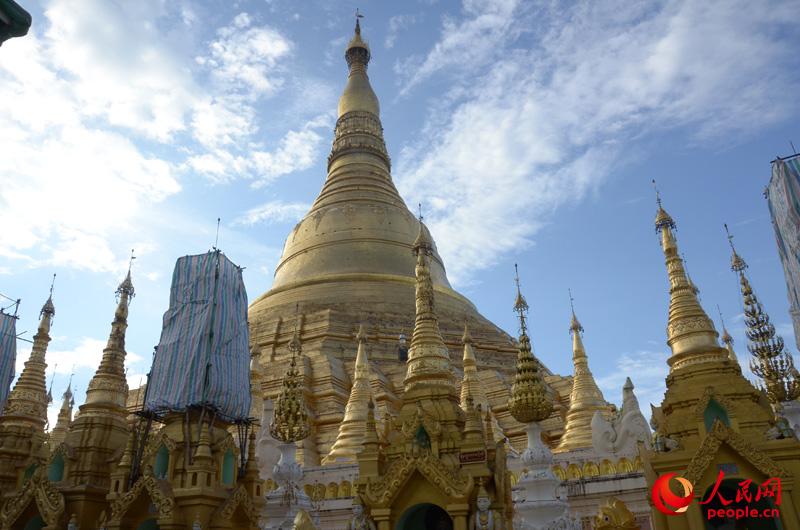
x=666, y=501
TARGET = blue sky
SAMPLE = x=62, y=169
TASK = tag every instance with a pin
x=530, y=131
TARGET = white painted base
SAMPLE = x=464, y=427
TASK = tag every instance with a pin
x=536, y=505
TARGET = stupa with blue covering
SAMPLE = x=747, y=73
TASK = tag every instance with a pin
x=190, y=459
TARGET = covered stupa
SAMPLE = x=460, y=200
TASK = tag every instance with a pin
x=349, y=262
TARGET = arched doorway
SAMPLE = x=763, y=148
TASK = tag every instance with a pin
x=148, y=524
x=728, y=489
x=424, y=517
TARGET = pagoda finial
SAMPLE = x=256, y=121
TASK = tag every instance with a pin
x=520, y=305
x=358, y=22
x=574, y=325
x=290, y=419
x=726, y=338
x=690, y=332
x=737, y=263
x=771, y=362
x=529, y=401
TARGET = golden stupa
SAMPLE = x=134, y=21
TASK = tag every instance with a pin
x=349, y=262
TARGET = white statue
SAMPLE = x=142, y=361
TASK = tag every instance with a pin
x=196, y=524
x=484, y=518
x=267, y=448
x=359, y=520
x=621, y=435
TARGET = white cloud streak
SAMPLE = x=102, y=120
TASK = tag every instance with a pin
x=548, y=120
x=273, y=212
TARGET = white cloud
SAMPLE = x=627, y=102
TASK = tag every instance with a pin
x=548, y=120
x=486, y=26
x=396, y=24
x=246, y=58
x=119, y=65
x=273, y=212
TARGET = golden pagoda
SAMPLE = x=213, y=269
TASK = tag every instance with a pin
x=22, y=435
x=436, y=462
x=354, y=425
x=349, y=261
x=64, y=420
x=585, y=398
x=712, y=420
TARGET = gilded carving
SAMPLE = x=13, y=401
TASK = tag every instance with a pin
x=161, y=497
x=49, y=501
x=240, y=498
x=721, y=434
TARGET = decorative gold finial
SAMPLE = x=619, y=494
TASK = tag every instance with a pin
x=290, y=419
x=725, y=337
x=520, y=305
x=737, y=263
x=529, y=401
x=771, y=362
x=662, y=217
x=574, y=325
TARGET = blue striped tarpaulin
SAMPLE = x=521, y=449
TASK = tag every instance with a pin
x=783, y=194
x=8, y=354
x=203, y=356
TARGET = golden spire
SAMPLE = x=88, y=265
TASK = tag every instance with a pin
x=358, y=95
x=529, y=401
x=290, y=419
x=690, y=333
x=352, y=430
x=27, y=401
x=428, y=359
x=473, y=426
x=59, y=432
x=470, y=384
x=771, y=362
x=726, y=338
x=109, y=384
x=585, y=398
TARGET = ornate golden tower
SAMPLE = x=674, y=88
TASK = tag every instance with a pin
x=64, y=420
x=22, y=424
x=771, y=362
x=99, y=433
x=711, y=418
x=437, y=457
x=350, y=261
x=353, y=428
x=585, y=398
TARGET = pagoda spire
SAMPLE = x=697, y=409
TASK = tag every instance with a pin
x=726, y=339
x=350, y=439
x=690, y=332
x=771, y=362
x=290, y=420
x=470, y=384
x=59, y=432
x=529, y=402
x=109, y=383
x=428, y=358
x=27, y=401
x=585, y=398
x=358, y=137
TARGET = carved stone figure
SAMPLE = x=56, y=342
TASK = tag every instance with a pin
x=621, y=435
x=359, y=520
x=484, y=518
